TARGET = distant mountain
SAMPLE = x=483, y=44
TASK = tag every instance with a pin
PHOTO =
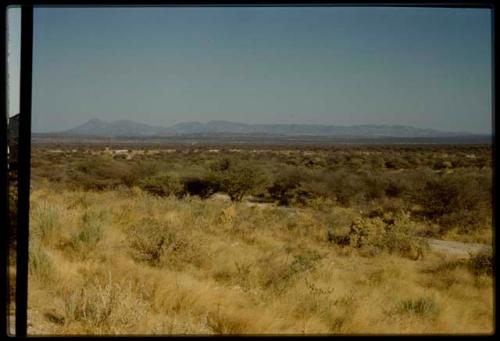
x=97, y=127
x=228, y=127
x=189, y=128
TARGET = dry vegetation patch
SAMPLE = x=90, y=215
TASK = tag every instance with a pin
x=330, y=249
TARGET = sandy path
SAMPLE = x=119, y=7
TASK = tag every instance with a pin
x=458, y=249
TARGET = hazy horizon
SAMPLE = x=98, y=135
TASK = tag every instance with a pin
x=422, y=67
x=233, y=121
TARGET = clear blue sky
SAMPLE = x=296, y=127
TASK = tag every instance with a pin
x=426, y=67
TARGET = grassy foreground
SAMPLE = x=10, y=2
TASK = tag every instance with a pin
x=123, y=261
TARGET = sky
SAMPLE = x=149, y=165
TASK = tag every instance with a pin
x=424, y=67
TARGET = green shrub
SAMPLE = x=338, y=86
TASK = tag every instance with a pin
x=141, y=170
x=238, y=178
x=303, y=262
x=399, y=237
x=459, y=200
x=163, y=184
x=379, y=234
x=396, y=186
x=285, y=188
x=103, y=173
x=373, y=185
x=349, y=187
x=422, y=306
x=91, y=231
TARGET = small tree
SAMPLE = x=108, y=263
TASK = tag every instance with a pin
x=238, y=178
x=162, y=184
x=285, y=186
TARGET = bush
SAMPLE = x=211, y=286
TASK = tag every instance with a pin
x=396, y=187
x=345, y=186
x=141, y=170
x=285, y=188
x=238, y=178
x=163, y=184
x=399, y=237
x=377, y=234
x=278, y=274
x=149, y=240
x=303, y=263
x=203, y=187
x=373, y=185
x=422, y=306
x=460, y=200
x=91, y=231
x=158, y=244
x=101, y=173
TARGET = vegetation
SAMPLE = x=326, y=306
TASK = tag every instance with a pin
x=237, y=179
x=212, y=240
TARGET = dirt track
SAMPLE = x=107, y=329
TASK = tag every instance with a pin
x=458, y=249
x=451, y=248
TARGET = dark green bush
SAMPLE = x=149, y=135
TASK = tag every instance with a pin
x=346, y=187
x=202, y=186
x=459, y=200
x=396, y=186
x=285, y=188
x=238, y=178
x=373, y=185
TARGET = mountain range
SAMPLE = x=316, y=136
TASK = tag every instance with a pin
x=126, y=128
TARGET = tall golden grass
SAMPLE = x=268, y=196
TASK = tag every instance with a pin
x=125, y=262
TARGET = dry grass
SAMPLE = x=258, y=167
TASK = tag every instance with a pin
x=125, y=262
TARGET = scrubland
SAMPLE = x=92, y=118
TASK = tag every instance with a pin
x=259, y=241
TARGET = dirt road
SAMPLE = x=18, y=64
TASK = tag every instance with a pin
x=458, y=249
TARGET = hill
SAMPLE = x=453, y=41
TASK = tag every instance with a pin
x=126, y=128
